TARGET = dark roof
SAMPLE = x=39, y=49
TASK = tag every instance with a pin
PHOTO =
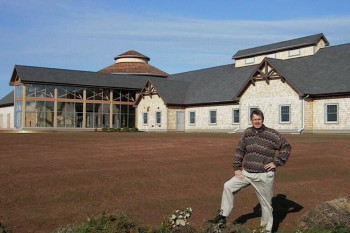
x=138, y=68
x=171, y=91
x=326, y=72
x=212, y=85
x=289, y=44
x=32, y=74
x=7, y=100
x=132, y=54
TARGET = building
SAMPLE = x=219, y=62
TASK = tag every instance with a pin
x=301, y=85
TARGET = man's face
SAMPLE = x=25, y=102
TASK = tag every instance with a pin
x=257, y=121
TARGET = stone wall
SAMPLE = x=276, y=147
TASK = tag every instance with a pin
x=172, y=118
x=269, y=98
x=7, y=117
x=223, y=116
x=151, y=105
x=319, y=114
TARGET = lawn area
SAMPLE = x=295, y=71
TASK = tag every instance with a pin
x=52, y=179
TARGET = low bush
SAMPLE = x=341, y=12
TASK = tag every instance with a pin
x=334, y=214
x=105, y=223
x=3, y=229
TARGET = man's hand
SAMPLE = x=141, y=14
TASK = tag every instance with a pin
x=270, y=166
x=239, y=174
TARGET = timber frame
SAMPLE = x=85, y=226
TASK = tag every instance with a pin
x=266, y=71
x=148, y=90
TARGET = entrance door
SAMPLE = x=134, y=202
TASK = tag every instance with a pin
x=180, y=121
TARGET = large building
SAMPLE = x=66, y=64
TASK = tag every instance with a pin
x=301, y=85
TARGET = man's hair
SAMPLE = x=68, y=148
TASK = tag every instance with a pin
x=257, y=112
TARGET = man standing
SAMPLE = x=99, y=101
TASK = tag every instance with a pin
x=257, y=145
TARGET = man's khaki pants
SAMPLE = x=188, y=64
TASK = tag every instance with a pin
x=263, y=186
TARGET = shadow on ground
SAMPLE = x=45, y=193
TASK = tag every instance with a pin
x=281, y=207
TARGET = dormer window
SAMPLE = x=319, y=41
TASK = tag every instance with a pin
x=249, y=60
x=294, y=52
x=272, y=55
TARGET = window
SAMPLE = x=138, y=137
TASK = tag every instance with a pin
x=158, y=118
x=331, y=113
x=294, y=52
x=284, y=114
x=235, y=116
x=212, y=116
x=249, y=60
x=192, y=116
x=145, y=118
x=272, y=55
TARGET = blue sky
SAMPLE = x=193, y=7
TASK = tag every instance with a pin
x=178, y=35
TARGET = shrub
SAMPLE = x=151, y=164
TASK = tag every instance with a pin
x=104, y=129
x=105, y=223
x=3, y=229
x=334, y=214
x=134, y=129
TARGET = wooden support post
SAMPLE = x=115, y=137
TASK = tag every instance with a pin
x=111, y=109
x=55, y=109
x=23, y=116
x=84, y=108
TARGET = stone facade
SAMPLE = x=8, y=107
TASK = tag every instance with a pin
x=319, y=114
x=151, y=105
x=224, y=118
x=269, y=98
x=7, y=117
x=308, y=106
x=172, y=117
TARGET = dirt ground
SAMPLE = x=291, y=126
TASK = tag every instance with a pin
x=53, y=179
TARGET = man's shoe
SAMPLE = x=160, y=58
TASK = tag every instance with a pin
x=220, y=219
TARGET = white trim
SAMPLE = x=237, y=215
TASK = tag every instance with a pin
x=143, y=118
x=249, y=60
x=233, y=116
x=156, y=123
x=294, y=52
x=189, y=118
x=216, y=116
x=280, y=114
x=326, y=113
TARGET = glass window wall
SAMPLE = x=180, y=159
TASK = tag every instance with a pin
x=39, y=114
x=18, y=91
x=69, y=114
x=45, y=91
x=18, y=114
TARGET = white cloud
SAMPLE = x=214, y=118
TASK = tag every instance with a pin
x=88, y=38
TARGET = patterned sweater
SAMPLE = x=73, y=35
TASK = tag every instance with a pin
x=258, y=148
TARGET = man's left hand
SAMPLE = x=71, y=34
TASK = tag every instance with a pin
x=270, y=166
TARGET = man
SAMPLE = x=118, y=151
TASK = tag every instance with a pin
x=257, y=145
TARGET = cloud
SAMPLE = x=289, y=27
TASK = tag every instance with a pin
x=87, y=36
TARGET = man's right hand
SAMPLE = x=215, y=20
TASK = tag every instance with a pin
x=239, y=174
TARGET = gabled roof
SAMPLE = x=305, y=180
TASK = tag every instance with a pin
x=30, y=74
x=284, y=45
x=326, y=72
x=213, y=85
x=7, y=100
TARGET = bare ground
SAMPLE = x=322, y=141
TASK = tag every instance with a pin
x=52, y=179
